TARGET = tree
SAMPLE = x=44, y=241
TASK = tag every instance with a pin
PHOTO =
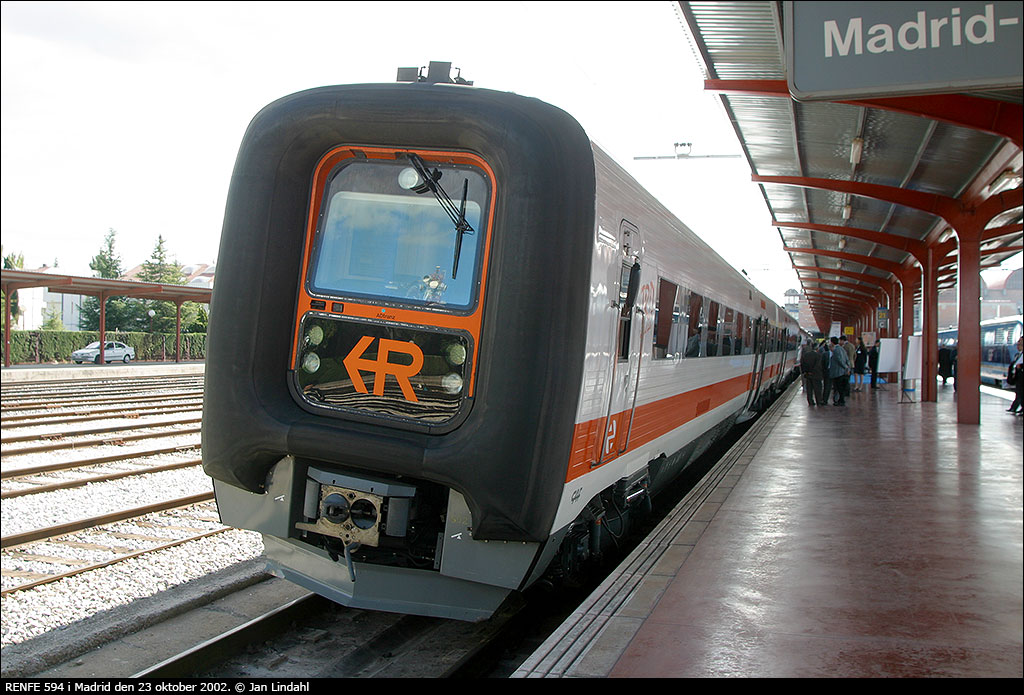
x=13, y=262
x=107, y=263
x=52, y=322
x=120, y=312
x=161, y=269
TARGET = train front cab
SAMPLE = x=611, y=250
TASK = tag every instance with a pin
x=393, y=409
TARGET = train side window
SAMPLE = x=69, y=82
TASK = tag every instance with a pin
x=714, y=326
x=695, y=314
x=728, y=331
x=666, y=320
x=741, y=333
x=748, y=336
x=626, y=317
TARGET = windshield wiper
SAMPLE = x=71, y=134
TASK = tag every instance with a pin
x=430, y=179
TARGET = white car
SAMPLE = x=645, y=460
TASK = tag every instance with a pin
x=112, y=352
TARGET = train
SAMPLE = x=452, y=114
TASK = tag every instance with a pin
x=455, y=349
x=999, y=338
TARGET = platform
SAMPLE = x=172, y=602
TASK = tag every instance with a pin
x=880, y=539
x=65, y=372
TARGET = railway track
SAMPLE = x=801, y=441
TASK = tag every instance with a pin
x=99, y=535
x=71, y=387
x=49, y=418
x=311, y=637
x=36, y=430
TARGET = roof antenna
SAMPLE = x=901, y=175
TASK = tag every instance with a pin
x=437, y=73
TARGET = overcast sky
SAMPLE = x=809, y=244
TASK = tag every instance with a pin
x=128, y=115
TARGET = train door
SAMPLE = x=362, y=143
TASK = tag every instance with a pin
x=760, y=354
x=627, y=349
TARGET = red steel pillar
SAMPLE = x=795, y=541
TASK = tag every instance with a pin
x=7, y=327
x=177, y=335
x=968, y=368
x=929, y=326
x=103, y=327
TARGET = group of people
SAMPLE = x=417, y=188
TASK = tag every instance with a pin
x=827, y=366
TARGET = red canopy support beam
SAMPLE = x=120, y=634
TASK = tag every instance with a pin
x=881, y=264
x=945, y=207
x=874, y=280
x=872, y=293
x=852, y=300
x=987, y=115
x=915, y=248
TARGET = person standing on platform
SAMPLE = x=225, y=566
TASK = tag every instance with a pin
x=1015, y=376
x=839, y=371
x=810, y=370
x=826, y=358
x=873, y=364
x=860, y=363
x=954, y=351
x=945, y=363
x=851, y=355
x=851, y=351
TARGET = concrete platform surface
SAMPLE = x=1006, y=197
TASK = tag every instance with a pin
x=879, y=539
x=63, y=372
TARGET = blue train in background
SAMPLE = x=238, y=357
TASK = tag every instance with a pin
x=999, y=338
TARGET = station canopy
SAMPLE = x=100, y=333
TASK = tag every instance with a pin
x=14, y=280
x=101, y=288
x=868, y=190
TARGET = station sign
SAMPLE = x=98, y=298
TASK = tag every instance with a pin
x=848, y=50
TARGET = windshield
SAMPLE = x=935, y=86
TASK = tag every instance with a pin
x=380, y=236
x=92, y=346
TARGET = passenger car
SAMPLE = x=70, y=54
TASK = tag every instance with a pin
x=113, y=351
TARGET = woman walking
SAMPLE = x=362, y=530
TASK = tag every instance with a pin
x=860, y=363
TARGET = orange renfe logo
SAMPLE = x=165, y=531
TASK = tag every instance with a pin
x=381, y=367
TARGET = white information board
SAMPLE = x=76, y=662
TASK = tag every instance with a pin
x=913, y=367
x=889, y=355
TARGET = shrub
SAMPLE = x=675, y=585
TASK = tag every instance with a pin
x=39, y=346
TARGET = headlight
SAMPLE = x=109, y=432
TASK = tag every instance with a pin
x=315, y=336
x=452, y=383
x=311, y=363
x=455, y=354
